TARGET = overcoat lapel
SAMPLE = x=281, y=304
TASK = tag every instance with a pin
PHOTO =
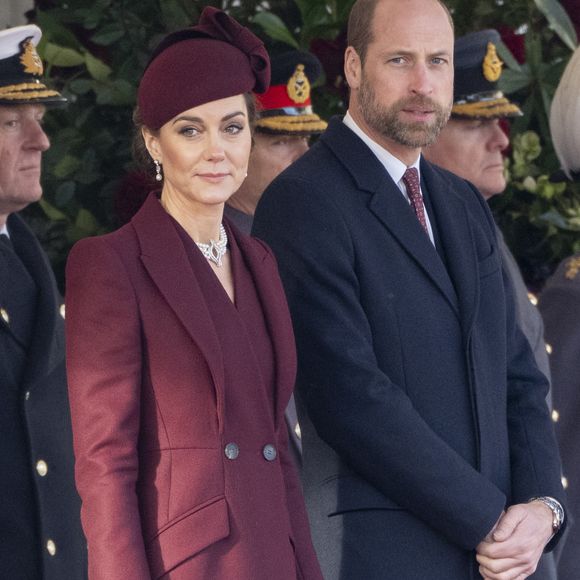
x=388, y=205
x=453, y=222
x=273, y=301
x=166, y=261
x=47, y=344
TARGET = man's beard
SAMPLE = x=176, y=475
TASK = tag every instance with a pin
x=386, y=121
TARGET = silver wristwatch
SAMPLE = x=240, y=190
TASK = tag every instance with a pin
x=557, y=511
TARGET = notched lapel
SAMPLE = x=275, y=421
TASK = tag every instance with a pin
x=453, y=221
x=165, y=259
x=391, y=208
x=388, y=204
x=47, y=345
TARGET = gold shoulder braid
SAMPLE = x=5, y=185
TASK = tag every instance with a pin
x=572, y=268
x=492, y=64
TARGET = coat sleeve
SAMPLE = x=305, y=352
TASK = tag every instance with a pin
x=104, y=375
x=355, y=407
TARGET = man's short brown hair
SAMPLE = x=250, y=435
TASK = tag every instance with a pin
x=360, y=25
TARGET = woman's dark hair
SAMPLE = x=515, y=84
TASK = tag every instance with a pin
x=140, y=153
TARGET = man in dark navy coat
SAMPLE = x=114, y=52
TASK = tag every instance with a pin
x=428, y=449
x=40, y=533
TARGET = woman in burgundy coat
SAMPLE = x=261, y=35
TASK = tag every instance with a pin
x=180, y=350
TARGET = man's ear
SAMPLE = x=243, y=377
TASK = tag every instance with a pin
x=352, y=68
x=152, y=144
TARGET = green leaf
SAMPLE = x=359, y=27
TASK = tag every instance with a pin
x=559, y=21
x=60, y=56
x=66, y=166
x=81, y=86
x=118, y=92
x=275, y=28
x=108, y=36
x=512, y=81
x=51, y=212
x=97, y=68
x=86, y=222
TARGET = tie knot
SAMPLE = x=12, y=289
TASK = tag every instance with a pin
x=411, y=181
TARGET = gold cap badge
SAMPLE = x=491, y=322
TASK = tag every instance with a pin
x=30, y=59
x=492, y=64
x=298, y=86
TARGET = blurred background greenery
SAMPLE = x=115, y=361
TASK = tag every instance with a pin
x=95, y=51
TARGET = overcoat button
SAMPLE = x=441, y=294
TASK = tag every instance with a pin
x=5, y=316
x=51, y=547
x=232, y=451
x=269, y=452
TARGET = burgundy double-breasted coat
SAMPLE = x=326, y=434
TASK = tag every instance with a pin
x=176, y=483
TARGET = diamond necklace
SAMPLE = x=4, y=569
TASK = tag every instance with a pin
x=215, y=251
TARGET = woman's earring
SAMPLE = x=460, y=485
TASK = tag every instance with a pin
x=158, y=174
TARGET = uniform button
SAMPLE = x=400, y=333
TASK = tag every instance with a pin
x=298, y=431
x=27, y=395
x=533, y=298
x=232, y=451
x=555, y=416
x=565, y=482
x=548, y=348
x=51, y=547
x=4, y=315
x=62, y=310
x=269, y=452
x=41, y=467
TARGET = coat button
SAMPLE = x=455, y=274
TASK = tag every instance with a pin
x=269, y=452
x=62, y=310
x=4, y=315
x=41, y=467
x=51, y=547
x=555, y=416
x=232, y=451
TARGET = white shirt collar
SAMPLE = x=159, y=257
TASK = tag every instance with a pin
x=4, y=230
x=395, y=167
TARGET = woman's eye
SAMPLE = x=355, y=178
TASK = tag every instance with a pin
x=189, y=131
x=234, y=128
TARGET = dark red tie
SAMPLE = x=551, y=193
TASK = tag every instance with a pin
x=411, y=181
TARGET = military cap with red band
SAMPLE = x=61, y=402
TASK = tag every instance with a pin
x=182, y=72
x=286, y=108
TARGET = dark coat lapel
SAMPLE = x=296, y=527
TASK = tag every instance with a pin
x=273, y=301
x=388, y=204
x=453, y=222
x=165, y=259
x=47, y=346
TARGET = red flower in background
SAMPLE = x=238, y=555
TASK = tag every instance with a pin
x=515, y=42
x=572, y=7
x=331, y=55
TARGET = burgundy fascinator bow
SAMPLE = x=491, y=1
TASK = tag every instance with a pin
x=217, y=24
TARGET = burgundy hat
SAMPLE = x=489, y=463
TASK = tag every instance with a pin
x=216, y=59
